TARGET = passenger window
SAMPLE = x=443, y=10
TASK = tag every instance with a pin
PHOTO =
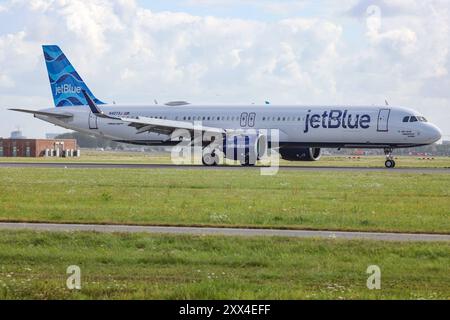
x=406, y=119
x=413, y=119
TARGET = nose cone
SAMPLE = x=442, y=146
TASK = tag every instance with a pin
x=433, y=133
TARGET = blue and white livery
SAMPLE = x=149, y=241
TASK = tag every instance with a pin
x=65, y=81
x=303, y=130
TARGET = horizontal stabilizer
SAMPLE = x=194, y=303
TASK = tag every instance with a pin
x=43, y=113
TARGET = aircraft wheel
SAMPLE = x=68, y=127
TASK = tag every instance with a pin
x=246, y=162
x=209, y=159
x=389, y=163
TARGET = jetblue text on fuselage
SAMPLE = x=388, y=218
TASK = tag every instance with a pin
x=334, y=119
x=67, y=88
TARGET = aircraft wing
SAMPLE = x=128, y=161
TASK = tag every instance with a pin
x=144, y=124
x=43, y=113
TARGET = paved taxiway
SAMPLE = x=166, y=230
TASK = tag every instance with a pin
x=227, y=231
x=79, y=165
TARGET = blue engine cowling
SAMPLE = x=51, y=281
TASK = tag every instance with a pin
x=300, y=154
x=245, y=148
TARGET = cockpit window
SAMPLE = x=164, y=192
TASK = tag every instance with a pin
x=414, y=119
x=422, y=119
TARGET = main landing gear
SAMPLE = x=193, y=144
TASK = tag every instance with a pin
x=210, y=159
x=390, y=163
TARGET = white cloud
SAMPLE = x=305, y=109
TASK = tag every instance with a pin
x=415, y=47
x=6, y=81
x=130, y=54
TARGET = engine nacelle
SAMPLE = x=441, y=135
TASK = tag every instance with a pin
x=247, y=148
x=300, y=154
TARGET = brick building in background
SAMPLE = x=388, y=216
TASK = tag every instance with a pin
x=38, y=147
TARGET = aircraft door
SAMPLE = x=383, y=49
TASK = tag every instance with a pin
x=93, y=121
x=383, y=120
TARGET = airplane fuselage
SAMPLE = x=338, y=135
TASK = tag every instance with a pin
x=312, y=126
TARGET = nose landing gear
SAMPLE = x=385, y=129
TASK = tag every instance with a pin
x=390, y=163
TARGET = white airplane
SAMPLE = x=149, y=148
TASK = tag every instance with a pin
x=303, y=130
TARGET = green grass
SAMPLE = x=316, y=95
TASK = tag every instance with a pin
x=93, y=156
x=135, y=266
x=375, y=201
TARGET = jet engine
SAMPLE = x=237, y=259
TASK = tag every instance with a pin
x=246, y=148
x=300, y=154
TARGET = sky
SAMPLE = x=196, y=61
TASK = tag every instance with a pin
x=346, y=52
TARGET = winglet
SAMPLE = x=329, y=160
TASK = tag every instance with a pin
x=95, y=110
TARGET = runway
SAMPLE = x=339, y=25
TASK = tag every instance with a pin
x=75, y=165
x=379, y=236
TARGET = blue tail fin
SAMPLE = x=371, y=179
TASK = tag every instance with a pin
x=67, y=85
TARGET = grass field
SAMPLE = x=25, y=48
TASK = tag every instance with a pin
x=375, y=201
x=93, y=156
x=139, y=266
x=33, y=266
